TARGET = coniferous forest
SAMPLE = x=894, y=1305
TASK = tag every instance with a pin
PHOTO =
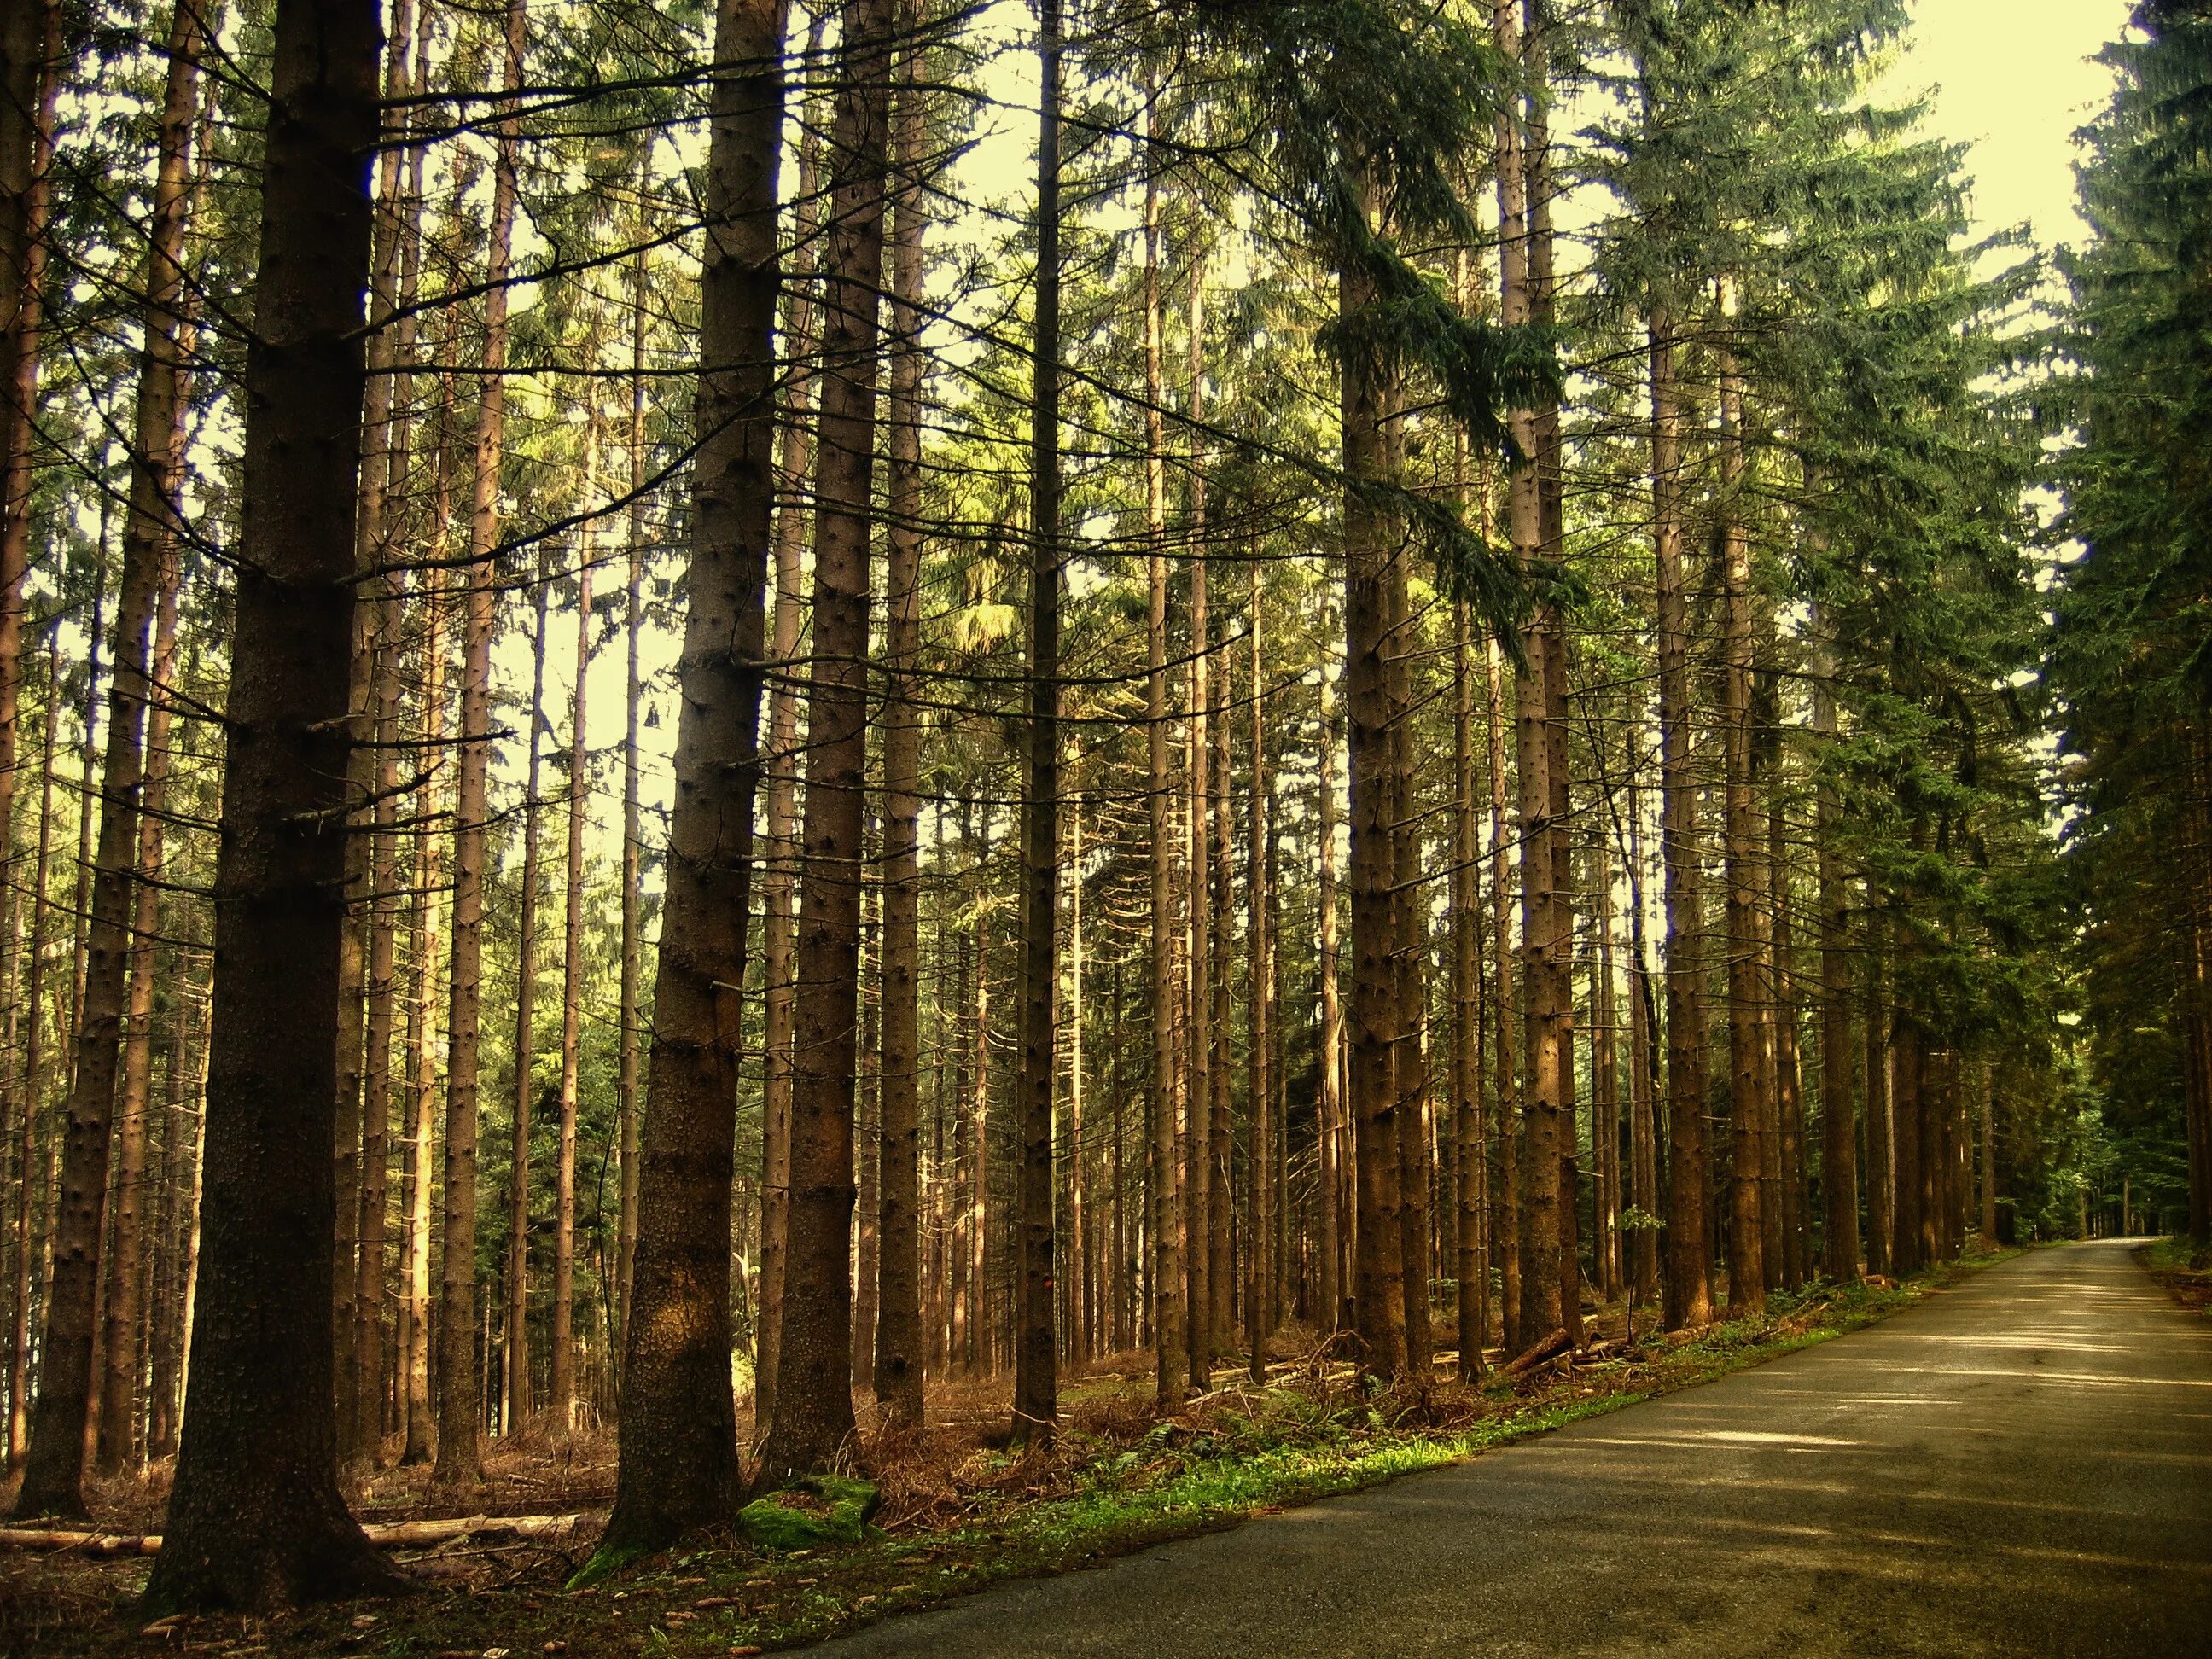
x=788, y=783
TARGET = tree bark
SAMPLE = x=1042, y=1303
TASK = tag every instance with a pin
x=1380, y=1311
x=563, y=1402
x=1688, y=1302
x=1037, y=1386
x=1262, y=1272
x=898, y=1336
x=1170, y=1345
x=1839, y=1191
x=779, y=879
x=813, y=1415
x=255, y=1516
x=1470, y=1131
x=679, y=1460
x=1335, y=1211
x=30, y=55
x=517, y=1414
x=122, y=1349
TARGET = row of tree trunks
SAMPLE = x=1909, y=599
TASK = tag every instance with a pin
x=53, y=1467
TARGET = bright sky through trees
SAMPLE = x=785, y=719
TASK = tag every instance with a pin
x=2015, y=79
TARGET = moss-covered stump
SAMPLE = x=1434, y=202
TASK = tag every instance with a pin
x=823, y=1508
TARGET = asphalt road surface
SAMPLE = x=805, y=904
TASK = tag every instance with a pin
x=2022, y=1465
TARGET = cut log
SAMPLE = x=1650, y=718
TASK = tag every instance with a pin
x=1550, y=1348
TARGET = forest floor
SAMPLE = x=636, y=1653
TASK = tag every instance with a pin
x=957, y=1513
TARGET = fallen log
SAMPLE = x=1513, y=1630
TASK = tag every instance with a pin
x=1550, y=1348
x=390, y=1534
x=91, y=1543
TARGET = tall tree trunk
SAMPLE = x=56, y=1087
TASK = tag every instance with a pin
x=1907, y=1107
x=1036, y=1386
x=459, y=1410
x=53, y=1467
x=1880, y=1151
x=517, y=1414
x=1335, y=1213
x=427, y=951
x=898, y=1336
x=255, y=1518
x=33, y=1078
x=1746, y=1093
x=1643, y=1082
x=1542, y=1309
x=1470, y=1131
x=628, y=1034
x=361, y=1420
x=779, y=878
x=1409, y=1081
x=1198, y=1032
x=563, y=1402
x=1839, y=1191
x=1169, y=1337
x=30, y=76
x=125, y=1308
x=1789, y=1083
x=1688, y=1301
x=678, y=1467
x=813, y=1415
x=393, y=243
x=1368, y=543
x=1220, y=879
x=1262, y=1271
x=1506, y=1215
x=1605, y=1071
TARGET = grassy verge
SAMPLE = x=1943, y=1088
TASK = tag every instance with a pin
x=2185, y=1270
x=1120, y=1480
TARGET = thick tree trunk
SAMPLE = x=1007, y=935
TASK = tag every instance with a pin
x=1037, y=1382
x=898, y=1334
x=679, y=1468
x=1688, y=1302
x=255, y=1518
x=813, y=1415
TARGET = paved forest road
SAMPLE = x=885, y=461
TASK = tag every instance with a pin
x=2022, y=1466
